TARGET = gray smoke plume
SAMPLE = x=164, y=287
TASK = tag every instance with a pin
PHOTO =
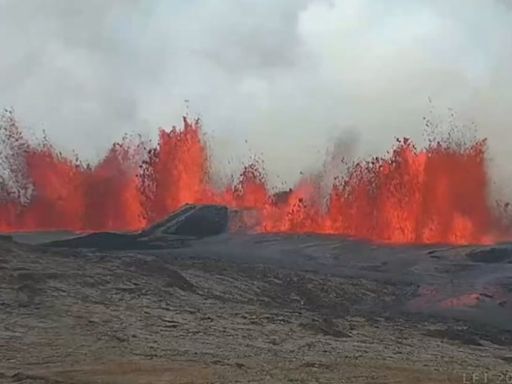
x=288, y=76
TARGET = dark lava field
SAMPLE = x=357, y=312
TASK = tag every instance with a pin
x=189, y=301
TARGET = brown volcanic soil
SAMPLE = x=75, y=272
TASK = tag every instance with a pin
x=254, y=309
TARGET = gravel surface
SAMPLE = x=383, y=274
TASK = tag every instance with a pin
x=255, y=309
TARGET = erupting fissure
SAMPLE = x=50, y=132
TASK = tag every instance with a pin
x=439, y=194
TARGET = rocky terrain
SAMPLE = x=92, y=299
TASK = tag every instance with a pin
x=189, y=302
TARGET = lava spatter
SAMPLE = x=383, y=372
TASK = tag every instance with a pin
x=439, y=194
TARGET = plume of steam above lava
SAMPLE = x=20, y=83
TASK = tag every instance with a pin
x=438, y=194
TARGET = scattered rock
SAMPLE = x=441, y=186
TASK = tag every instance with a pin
x=155, y=268
x=6, y=238
x=459, y=335
x=326, y=327
x=490, y=255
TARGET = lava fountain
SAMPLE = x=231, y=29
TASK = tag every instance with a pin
x=438, y=194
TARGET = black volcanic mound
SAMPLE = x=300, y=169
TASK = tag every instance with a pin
x=189, y=222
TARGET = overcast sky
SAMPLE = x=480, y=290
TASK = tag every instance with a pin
x=288, y=76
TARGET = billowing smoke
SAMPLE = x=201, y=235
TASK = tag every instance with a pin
x=282, y=79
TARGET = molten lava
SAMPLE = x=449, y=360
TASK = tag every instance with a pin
x=439, y=194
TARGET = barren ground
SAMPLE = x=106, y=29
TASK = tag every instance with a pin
x=255, y=309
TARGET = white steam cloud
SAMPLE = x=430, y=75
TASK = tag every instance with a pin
x=288, y=76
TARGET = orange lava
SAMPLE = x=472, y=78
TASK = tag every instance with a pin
x=435, y=195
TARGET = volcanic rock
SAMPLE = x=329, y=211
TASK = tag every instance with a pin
x=192, y=220
x=241, y=307
x=490, y=255
x=189, y=222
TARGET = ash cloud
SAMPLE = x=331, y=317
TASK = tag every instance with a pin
x=289, y=77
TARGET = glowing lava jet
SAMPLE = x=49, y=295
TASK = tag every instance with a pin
x=439, y=194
